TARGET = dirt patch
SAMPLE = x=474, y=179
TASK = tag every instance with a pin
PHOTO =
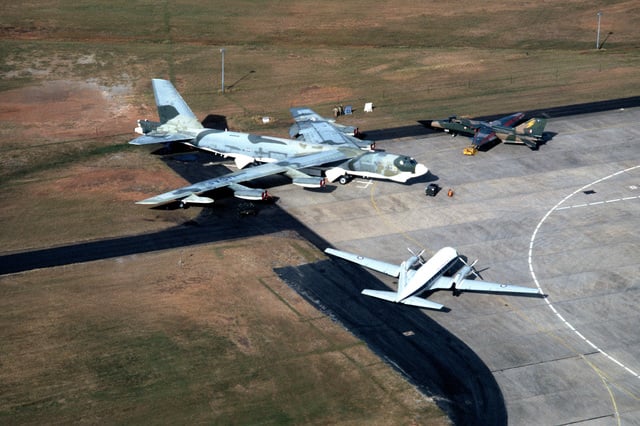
x=317, y=94
x=68, y=109
x=117, y=182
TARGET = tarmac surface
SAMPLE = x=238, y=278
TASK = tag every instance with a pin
x=564, y=218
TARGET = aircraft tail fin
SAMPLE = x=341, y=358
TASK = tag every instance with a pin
x=533, y=128
x=169, y=102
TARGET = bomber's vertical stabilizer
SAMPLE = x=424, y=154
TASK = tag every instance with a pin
x=169, y=102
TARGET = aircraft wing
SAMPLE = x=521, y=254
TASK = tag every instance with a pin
x=509, y=120
x=313, y=128
x=234, y=179
x=489, y=287
x=445, y=283
x=483, y=135
x=376, y=265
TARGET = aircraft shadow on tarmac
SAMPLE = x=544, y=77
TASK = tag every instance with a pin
x=431, y=357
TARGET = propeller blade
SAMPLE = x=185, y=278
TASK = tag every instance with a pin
x=418, y=256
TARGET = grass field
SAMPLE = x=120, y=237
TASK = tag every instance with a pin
x=139, y=340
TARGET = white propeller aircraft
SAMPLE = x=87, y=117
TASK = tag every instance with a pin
x=415, y=276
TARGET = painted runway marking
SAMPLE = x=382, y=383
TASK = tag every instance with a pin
x=364, y=184
x=535, y=279
x=595, y=203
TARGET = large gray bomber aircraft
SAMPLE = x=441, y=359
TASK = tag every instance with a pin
x=341, y=158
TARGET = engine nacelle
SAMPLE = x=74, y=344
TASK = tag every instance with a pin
x=310, y=182
x=251, y=194
x=463, y=273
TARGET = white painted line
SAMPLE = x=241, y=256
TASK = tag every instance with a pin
x=535, y=279
x=575, y=206
x=364, y=184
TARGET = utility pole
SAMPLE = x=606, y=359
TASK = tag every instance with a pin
x=598, y=34
x=222, y=52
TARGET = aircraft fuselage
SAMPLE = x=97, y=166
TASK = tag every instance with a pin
x=426, y=274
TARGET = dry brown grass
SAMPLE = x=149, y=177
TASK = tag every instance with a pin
x=209, y=333
x=203, y=333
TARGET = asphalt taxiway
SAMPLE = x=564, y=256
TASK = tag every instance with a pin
x=565, y=218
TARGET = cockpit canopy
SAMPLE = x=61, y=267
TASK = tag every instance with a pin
x=405, y=164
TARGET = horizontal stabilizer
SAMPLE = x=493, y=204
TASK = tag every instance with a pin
x=422, y=303
x=389, y=296
x=163, y=138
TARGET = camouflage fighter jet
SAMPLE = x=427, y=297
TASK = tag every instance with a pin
x=529, y=133
x=417, y=275
x=340, y=159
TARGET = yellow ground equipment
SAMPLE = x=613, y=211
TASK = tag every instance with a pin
x=470, y=150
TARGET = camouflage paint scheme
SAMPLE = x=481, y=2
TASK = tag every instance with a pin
x=342, y=158
x=530, y=133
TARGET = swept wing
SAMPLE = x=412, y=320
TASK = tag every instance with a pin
x=486, y=132
x=313, y=128
x=483, y=135
x=233, y=180
x=508, y=121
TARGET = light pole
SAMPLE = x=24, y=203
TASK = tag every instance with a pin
x=598, y=33
x=222, y=52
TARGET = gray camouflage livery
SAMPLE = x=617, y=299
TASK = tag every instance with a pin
x=341, y=158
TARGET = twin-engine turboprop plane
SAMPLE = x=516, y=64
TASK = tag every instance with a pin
x=341, y=158
x=416, y=276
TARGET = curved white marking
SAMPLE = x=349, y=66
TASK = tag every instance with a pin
x=535, y=279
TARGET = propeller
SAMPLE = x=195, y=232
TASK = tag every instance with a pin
x=472, y=270
x=418, y=256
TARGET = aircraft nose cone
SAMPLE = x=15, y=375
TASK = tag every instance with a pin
x=421, y=169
